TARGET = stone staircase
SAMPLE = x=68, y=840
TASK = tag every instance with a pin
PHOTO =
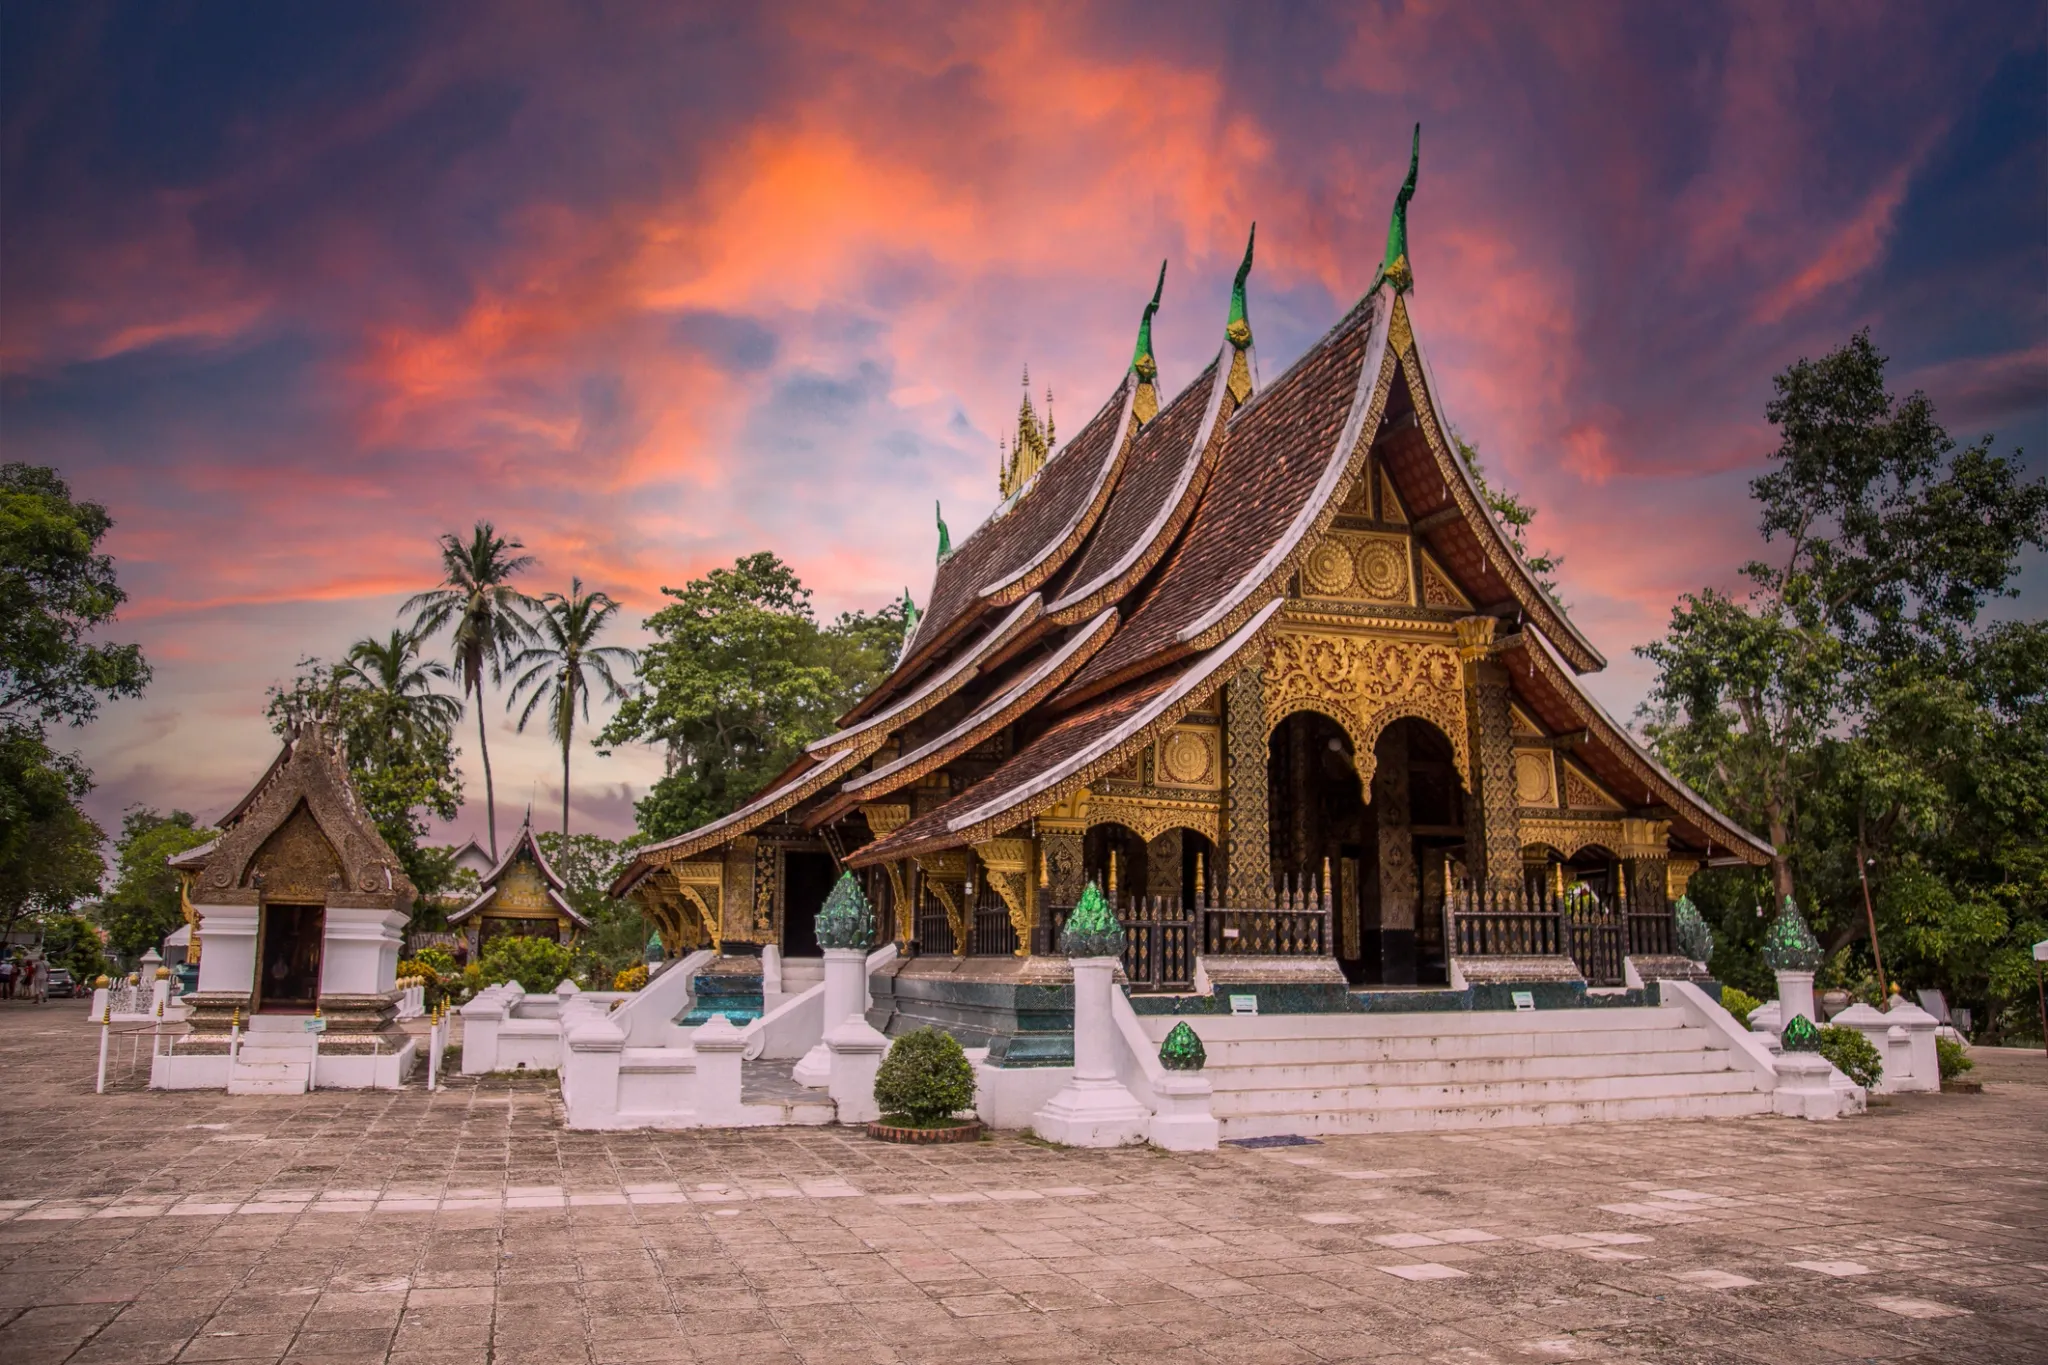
x=736, y=995
x=799, y=974
x=275, y=1057
x=1401, y=1073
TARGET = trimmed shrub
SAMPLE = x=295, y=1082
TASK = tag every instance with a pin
x=437, y=961
x=538, y=964
x=1853, y=1055
x=1739, y=1004
x=1951, y=1058
x=924, y=1080
x=631, y=979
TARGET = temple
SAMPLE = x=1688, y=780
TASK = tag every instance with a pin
x=1259, y=661
x=521, y=895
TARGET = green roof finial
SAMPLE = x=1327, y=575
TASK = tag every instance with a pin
x=945, y=536
x=1092, y=930
x=1239, y=328
x=1141, y=355
x=1789, y=946
x=910, y=614
x=847, y=920
x=1395, y=266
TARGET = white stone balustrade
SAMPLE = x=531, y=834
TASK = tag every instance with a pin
x=1095, y=1108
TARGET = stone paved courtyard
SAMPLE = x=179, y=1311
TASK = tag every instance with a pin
x=468, y=1226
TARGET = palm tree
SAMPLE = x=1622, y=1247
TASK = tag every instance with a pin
x=400, y=686
x=560, y=665
x=487, y=613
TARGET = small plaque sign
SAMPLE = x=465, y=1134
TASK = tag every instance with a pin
x=316, y=1025
x=1230, y=933
x=1244, y=1004
x=1524, y=1000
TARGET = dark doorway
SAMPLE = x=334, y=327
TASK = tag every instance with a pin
x=290, y=979
x=806, y=880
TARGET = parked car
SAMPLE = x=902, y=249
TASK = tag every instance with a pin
x=62, y=987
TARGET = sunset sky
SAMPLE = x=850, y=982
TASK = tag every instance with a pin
x=292, y=288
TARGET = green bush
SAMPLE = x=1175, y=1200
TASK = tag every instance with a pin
x=924, y=1080
x=1950, y=1057
x=438, y=960
x=538, y=964
x=1853, y=1055
x=1739, y=1004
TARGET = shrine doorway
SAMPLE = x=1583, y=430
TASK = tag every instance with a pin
x=289, y=982
x=1379, y=852
x=807, y=880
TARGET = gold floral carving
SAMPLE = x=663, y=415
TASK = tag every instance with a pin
x=1519, y=722
x=945, y=873
x=296, y=863
x=1400, y=336
x=1358, y=565
x=1327, y=572
x=1582, y=793
x=738, y=897
x=1383, y=569
x=1535, y=778
x=1150, y=817
x=1569, y=836
x=899, y=894
x=1678, y=875
x=1439, y=591
x=885, y=818
x=1475, y=636
x=1071, y=813
x=1365, y=683
x=521, y=888
x=1190, y=757
x=1390, y=501
x=1008, y=864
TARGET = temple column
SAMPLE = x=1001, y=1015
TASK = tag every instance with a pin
x=1645, y=874
x=1494, y=851
x=1059, y=846
x=1399, y=885
x=1247, y=850
x=1162, y=865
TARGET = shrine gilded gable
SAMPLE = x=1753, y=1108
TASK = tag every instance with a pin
x=1366, y=683
x=296, y=863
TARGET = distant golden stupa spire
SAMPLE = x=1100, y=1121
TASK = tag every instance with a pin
x=1032, y=446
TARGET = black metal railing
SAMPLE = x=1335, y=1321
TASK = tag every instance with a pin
x=934, y=926
x=1538, y=919
x=990, y=932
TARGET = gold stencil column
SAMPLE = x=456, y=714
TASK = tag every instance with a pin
x=1498, y=846
x=1247, y=852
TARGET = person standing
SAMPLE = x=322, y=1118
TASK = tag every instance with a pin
x=7, y=970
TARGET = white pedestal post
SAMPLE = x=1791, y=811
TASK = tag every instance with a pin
x=1094, y=1109
x=1795, y=996
x=845, y=980
x=1805, y=1088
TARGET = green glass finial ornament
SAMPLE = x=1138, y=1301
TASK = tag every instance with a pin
x=945, y=536
x=1689, y=932
x=1394, y=266
x=1800, y=1035
x=847, y=920
x=654, y=951
x=1239, y=328
x=1182, y=1050
x=1092, y=930
x=1141, y=355
x=1789, y=946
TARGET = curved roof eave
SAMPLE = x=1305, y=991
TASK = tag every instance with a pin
x=1550, y=618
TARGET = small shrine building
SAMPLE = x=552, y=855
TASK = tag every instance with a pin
x=521, y=895
x=1258, y=659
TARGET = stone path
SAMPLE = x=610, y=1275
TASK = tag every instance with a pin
x=469, y=1227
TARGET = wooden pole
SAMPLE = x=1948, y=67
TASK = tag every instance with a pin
x=1884, y=986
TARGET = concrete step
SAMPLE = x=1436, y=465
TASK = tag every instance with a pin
x=1228, y=1051
x=801, y=973
x=1326, y=1122
x=1466, y=1070
x=267, y=1078
x=1426, y=1024
x=1495, y=1094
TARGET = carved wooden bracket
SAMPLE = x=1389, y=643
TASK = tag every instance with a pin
x=1009, y=866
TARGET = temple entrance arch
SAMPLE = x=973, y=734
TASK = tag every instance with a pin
x=1375, y=833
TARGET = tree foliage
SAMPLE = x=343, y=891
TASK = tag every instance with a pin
x=144, y=904
x=739, y=678
x=1855, y=709
x=564, y=663
x=56, y=590
x=49, y=849
x=588, y=864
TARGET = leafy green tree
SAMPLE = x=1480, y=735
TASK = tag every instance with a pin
x=1853, y=708
x=401, y=755
x=73, y=943
x=538, y=964
x=486, y=616
x=739, y=678
x=145, y=904
x=56, y=590
x=49, y=849
x=563, y=663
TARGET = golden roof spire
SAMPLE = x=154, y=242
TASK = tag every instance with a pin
x=1032, y=446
